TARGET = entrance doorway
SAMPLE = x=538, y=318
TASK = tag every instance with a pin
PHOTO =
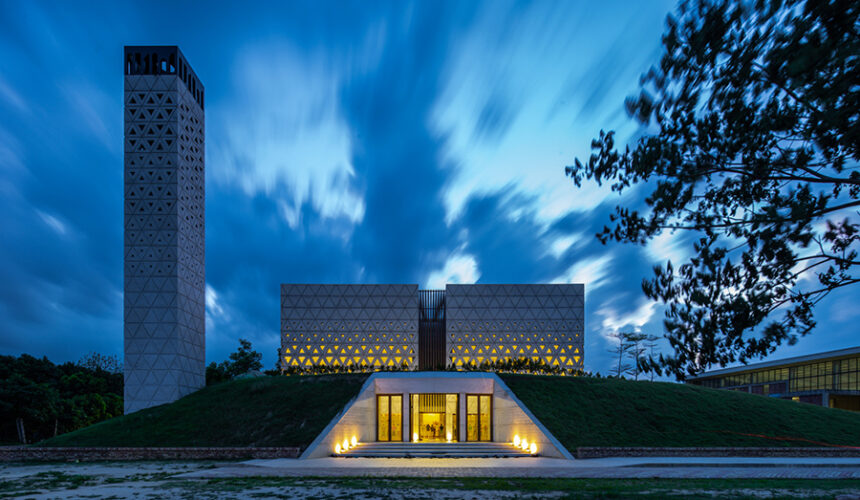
x=389, y=417
x=434, y=417
x=479, y=417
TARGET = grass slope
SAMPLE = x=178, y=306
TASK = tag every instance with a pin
x=611, y=412
x=291, y=411
x=263, y=411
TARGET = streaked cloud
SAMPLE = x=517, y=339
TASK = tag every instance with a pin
x=376, y=142
x=10, y=96
x=564, y=243
x=53, y=222
x=593, y=271
x=282, y=134
x=618, y=317
x=458, y=269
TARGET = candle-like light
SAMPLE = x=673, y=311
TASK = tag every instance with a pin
x=449, y=437
x=337, y=448
x=517, y=440
x=415, y=437
x=354, y=441
x=345, y=444
x=533, y=448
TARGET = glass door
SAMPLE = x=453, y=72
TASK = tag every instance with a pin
x=434, y=417
x=479, y=417
x=389, y=417
x=452, y=403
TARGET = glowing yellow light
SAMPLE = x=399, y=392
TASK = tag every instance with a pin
x=337, y=448
x=533, y=448
x=449, y=437
x=415, y=437
x=525, y=444
x=345, y=444
x=517, y=440
x=354, y=441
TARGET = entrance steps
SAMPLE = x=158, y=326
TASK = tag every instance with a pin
x=434, y=450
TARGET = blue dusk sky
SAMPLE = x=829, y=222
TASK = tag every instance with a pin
x=370, y=142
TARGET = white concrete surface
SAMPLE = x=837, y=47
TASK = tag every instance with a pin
x=510, y=417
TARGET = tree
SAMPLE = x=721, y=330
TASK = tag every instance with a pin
x=752, y=145
x=635, y=351
x=245, y=359
x=95, y=361
x=27, y=402
x=39, y=399
x=620, y=351
x=650, y=345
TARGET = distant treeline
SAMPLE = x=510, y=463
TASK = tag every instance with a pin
x=39, y=399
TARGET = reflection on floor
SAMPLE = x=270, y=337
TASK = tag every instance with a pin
x=432, y=427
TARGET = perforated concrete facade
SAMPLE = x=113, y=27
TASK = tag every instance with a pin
x=376, y=325
x=341, y=325
x=164, y=265
x=500, y=322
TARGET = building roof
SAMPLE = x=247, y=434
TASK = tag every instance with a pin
x=821, y=356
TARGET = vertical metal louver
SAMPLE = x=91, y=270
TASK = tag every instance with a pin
x=431, y=330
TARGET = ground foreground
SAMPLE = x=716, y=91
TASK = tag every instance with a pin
x=582, y=411
x=211, y=480
x=579, y=411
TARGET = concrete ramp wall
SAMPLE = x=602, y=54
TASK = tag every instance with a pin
x=510, y=417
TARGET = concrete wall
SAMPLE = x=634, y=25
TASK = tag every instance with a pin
x=489, y=322
x=363, y=325
x=510, y=417
x=358, y=418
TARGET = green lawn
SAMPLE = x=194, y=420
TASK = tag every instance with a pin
x=291, y=411
x=264, y=411
x=611, y=412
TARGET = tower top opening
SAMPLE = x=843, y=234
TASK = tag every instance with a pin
x=162, y=60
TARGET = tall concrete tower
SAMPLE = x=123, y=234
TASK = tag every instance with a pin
x=164, y=280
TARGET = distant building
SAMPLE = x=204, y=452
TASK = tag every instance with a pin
x=164, y=279
x=829, y=379
x=376, y=327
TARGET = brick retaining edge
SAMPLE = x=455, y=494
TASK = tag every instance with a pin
x=601, y=452
x=71, y=454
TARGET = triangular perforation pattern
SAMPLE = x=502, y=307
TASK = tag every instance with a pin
x=164, y=317
x=371, y=326
x=500, y=322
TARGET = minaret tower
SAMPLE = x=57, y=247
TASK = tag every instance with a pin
x=164, y=276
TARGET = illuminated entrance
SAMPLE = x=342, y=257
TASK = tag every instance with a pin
x=433, y=417
x=389, y=417
x=479, y=417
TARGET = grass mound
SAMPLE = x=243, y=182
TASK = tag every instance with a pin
x=292, y=411
x=583, y=411
x=262, y=411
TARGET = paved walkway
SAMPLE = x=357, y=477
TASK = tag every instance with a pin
x=639, y=467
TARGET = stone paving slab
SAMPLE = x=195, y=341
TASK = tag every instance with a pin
x=655, y=467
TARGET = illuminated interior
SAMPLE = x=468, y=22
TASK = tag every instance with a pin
x=389, y=417
x=433, y=417
x=831, y=380
x=479, y=417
